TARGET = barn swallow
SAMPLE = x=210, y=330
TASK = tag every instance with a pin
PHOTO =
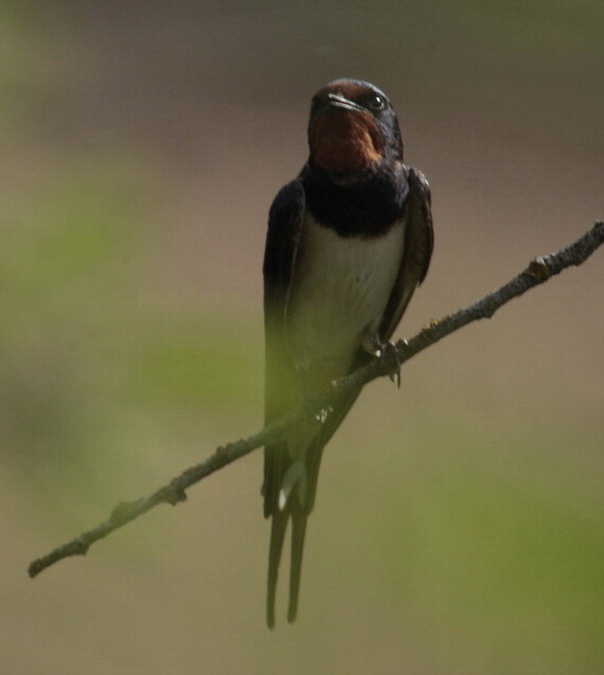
x=348, y=241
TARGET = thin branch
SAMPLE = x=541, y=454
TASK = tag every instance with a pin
x=539, y=270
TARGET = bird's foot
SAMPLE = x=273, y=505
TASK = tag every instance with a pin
x=388, y=354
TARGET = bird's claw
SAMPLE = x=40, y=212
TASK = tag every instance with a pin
x=390, y=358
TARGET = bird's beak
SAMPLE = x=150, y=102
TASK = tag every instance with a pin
x=338, y=101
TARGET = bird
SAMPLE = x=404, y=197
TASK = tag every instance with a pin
x=347, y=243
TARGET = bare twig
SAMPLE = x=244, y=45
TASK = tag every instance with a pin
x=539, y=270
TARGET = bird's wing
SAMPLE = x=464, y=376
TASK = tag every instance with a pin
x=283, y=237
x=286, y=218
x=417, y=251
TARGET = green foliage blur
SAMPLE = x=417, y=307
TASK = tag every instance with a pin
x=459, y=525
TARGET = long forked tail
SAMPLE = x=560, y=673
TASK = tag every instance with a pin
x=293, y=498
x=295, y=570
x=280, y=520
x=278, y=528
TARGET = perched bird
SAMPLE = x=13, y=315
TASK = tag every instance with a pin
x=348, y=241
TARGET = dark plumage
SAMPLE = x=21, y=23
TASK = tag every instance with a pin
x=348, y=242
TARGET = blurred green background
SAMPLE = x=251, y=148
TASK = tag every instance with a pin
x=459, y=526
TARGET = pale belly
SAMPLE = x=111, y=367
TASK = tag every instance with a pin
x=341, y=290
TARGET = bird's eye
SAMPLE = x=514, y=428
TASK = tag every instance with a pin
x=375, y=102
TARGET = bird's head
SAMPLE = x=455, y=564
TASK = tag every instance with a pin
x=352, y=128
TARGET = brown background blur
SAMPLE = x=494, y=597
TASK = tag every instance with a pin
x=459, y=526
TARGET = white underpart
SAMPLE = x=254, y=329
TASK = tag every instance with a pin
x=342, y=286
